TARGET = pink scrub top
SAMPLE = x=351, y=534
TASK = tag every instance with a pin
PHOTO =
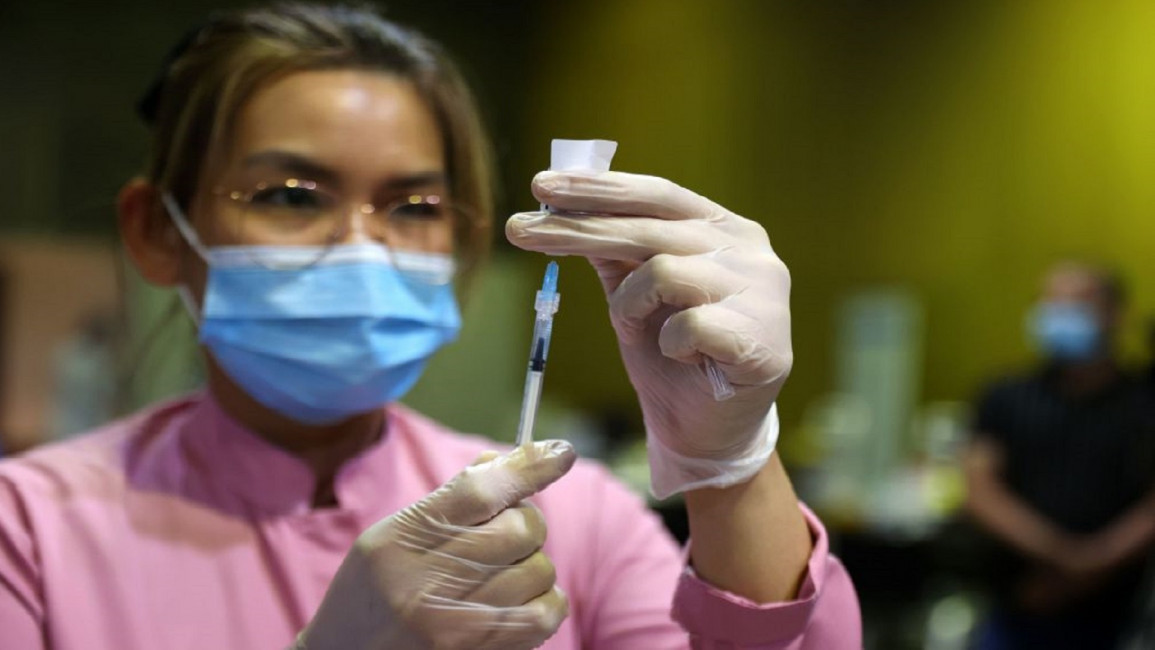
x=178, y=528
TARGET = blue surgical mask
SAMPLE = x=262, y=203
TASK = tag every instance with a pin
x=1065, y=331
x=344, y=335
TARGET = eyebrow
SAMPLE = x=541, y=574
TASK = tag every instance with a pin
x=416, y=180
x=303, y=166
x=291, y=163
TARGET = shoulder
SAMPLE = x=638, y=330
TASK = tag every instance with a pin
x=91, y=464
x=1137, y=388
x=40, y=488
x=66, y=468
x=1004, y=396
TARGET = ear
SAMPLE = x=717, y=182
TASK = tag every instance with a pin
x=149, y=236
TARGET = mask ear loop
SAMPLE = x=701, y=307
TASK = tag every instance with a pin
x=189, y=303
x=190, y=236
x=182, y=224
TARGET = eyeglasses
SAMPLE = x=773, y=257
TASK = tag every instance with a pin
x=300, y=213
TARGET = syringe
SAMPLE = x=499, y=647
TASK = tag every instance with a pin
x=546, y=306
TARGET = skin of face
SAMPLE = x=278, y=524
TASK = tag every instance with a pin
x=364, y=136
x=1076, y=284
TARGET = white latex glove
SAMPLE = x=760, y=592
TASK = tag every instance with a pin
x=685, y=279
x=462, y=568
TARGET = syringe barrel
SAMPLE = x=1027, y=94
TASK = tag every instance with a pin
x=542, y=330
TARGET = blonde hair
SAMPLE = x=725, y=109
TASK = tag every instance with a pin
x=193, y=105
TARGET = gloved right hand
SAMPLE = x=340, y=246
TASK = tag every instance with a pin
x=686, y=280
x=462, y=568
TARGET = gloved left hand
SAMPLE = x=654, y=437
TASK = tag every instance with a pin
x=685, y=279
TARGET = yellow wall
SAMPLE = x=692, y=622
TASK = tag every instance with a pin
x=955, y=149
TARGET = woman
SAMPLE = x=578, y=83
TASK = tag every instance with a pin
x=316, y=186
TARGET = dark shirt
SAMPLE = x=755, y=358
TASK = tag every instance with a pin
x=1079, y=461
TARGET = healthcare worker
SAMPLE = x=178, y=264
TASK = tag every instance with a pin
x=316, y=189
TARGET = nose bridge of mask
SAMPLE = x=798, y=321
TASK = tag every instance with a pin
x=318, y=344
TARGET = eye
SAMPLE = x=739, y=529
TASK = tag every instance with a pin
x=296, y=197
x=421, y=208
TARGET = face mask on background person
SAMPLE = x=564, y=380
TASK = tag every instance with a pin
x=1065, y=331
x=319, y=334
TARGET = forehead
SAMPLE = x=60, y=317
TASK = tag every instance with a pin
x=1073, y=283
x=349, y=120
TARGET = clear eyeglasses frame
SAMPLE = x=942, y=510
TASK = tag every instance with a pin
x=309, y=222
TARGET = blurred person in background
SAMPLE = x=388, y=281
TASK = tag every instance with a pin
x=317, y=190
x=1061, y=473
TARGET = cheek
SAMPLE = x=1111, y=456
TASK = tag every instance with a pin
x=443, y=241
x=225, y=230
x=216, y=222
